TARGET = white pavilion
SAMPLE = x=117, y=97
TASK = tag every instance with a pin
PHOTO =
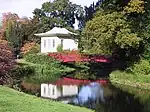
x=57, y=36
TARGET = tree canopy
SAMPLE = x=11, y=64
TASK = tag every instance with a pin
x=117, y=25
x=59, y=13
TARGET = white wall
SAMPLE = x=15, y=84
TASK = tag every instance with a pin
x=70, y=90
x=47, y=44
x=70, y=44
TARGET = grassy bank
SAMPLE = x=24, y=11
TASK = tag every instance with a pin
x=138, y=81
x=13, y=101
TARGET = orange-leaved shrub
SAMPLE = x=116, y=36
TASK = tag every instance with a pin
x=27, y=47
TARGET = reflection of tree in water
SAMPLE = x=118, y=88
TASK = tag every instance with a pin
x=108, y=98
x=122, y=102
x=90, y=95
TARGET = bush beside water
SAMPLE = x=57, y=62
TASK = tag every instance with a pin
x=138, y=75
x=44, y=74
x=140, y=68
x=45, y=69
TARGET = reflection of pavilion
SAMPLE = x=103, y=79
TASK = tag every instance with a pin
x=64, y=88
x=54, y=92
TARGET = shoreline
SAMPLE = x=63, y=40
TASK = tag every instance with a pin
x=138, y=85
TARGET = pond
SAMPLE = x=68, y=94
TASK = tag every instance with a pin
x=98, y=95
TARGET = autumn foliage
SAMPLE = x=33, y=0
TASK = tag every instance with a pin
x=27, y=47
x=3, y=42
x=7, y=62
x=6, y=18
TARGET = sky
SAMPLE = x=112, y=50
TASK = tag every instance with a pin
x=26, y=7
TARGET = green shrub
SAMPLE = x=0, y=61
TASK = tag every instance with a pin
x=44, y=74
x=146, y=54
x=82, y=65
x=124, y=77
x=40, y=59
x=46, y=69
x=138, y=73
x=22, y=71
x=84, y=75
x=59, y=48
x=46, y=60
x=18, y=73
x=140, y=68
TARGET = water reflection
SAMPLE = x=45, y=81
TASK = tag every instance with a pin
x=125, y=101
x=89, y=95
x=100, y=97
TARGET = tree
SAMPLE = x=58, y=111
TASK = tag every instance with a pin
x=5, y=19
x=10, y=30
x=135, y=6
x=28, y=27
x=108, y=32
x=7, y=62
x=59, y=13
x=14, y=35
x=91, y=10
x=18, y=30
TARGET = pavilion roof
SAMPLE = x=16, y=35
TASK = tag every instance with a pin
x=56, y=31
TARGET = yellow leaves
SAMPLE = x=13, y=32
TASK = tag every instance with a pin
x=135, y=6
x=3, y=41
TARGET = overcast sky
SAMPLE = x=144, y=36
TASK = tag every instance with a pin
x=26, y=7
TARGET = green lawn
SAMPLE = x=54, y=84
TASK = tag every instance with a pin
x=14, y=101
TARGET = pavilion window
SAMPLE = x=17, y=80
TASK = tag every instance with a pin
x=44, y=43
x=62, y=42
x=53, y=91
x=53, y=43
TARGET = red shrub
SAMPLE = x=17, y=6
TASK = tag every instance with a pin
x=75, y=56
x=7, y=62
x=72, y=56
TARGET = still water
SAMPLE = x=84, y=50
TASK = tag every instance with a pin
x=99, y=95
